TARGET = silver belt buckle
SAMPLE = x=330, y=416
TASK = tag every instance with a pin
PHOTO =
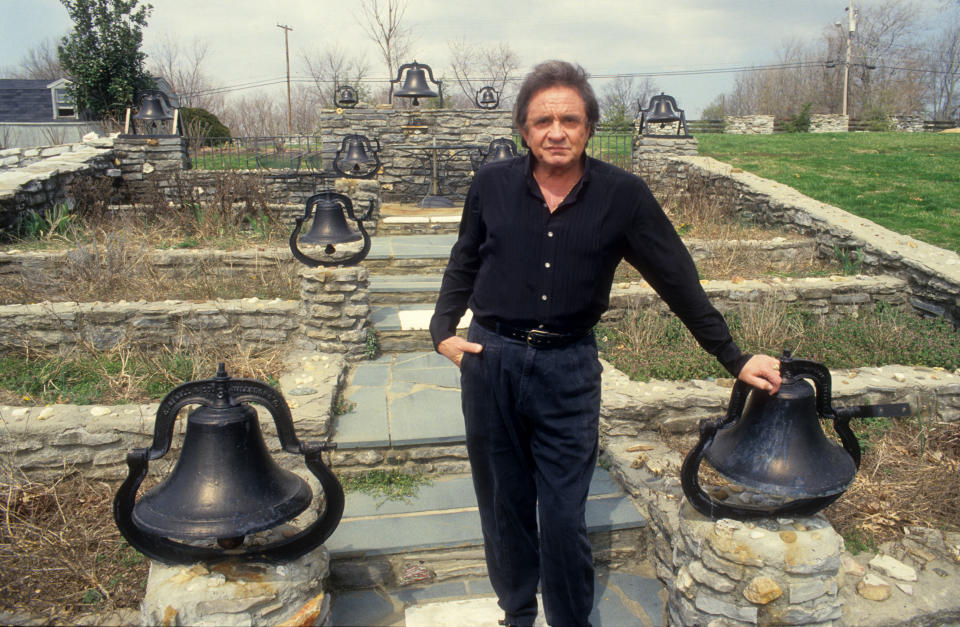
x=535, y=336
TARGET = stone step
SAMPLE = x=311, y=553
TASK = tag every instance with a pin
x=439, y=529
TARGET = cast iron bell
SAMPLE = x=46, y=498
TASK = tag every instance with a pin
x=775, y=446
x=415, y=85
x=225, y=485
x=663, y=109
x=487, y=98
x=152, y=113
x=346, y=97
x=353, y=159
x=329, y=229
x=498, y=150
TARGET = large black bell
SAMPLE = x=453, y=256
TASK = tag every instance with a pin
x=225, y=485
x=354, y=159
x=775, y=446
x=663, y=110
x=330, y=228
x=415, y=84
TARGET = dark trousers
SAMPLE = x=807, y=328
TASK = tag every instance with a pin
x=531, y=423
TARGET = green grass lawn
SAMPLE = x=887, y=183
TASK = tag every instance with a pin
x=907, y=182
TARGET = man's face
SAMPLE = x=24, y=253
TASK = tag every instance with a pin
x=556, y=130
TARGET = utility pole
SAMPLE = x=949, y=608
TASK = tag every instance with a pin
x=286, y=45
x=846, y=64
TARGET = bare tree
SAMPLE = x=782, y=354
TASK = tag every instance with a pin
x=333, y=66
x=886, y=72
x=620, y=97
x=944, y=63
x=256, y=115
x=475, y=66
x=182, y=67
x=40, y=62
x=382, y=21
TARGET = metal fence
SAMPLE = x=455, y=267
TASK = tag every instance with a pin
x=280, y=152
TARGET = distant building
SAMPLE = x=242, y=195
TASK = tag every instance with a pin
x=42, y=112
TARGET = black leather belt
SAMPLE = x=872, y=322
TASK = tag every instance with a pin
x=537, y=338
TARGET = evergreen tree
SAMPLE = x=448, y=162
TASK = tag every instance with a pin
x=102, y=55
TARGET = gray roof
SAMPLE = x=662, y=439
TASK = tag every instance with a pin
x=25, y=100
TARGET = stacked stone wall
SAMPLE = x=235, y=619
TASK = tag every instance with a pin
x=932, y=274
x=405, y=136
x=64, y=326
x=38, y=178
x=334, y=310
x=748, y=124
x=829, y=123
x=907, y=123
x=150, y=165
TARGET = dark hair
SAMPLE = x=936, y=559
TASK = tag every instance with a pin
x=550, y=74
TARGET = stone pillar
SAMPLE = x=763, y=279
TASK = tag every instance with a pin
x=766, y=572
x=334, y=310
x=237, y=593
x=147, y=163
x=651, y=154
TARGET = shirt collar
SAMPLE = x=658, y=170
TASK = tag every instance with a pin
x=574, y=194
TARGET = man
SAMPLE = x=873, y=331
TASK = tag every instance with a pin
x=540, y=239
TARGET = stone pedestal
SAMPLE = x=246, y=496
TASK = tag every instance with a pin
x=151, y=164
x=334, y=310
x=234, y=593
x=651, y=153
x=767, y=572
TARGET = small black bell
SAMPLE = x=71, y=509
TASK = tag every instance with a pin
x=415, y=84
x=663, y=109
x=353, y=159
x=346, y=97
x=329, y=229
x=498, y=150
x=487, y=98
x=153, y=113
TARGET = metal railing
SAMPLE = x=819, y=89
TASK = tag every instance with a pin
x=280, y=152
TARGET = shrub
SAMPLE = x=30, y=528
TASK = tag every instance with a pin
x=800, y=123
x=201, y=123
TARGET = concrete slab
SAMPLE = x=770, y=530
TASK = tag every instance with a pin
x=446, y=375
x=402, y=283
x=385, y=318
x=642, y=590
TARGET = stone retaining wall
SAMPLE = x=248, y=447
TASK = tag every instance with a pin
x=907, y=123
x=38, y=178
x=63, y=326
x=406, y=173
x=932, y=274
x=832, y=296
x=149, y=165
x=748, y=124
x=829, y=123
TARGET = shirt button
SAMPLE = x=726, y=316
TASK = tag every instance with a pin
x=546, y=265
x=539, y=326
x=549, y=233
x=543, y=297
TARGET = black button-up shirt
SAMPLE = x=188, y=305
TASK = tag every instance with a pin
x=516, y=262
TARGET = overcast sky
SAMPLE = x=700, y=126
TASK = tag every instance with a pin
x=605, y=36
